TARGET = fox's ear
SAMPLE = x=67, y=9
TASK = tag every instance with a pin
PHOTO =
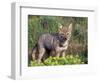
x=60, y=28
x=70, y=27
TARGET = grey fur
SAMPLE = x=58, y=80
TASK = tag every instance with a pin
x=52, y=44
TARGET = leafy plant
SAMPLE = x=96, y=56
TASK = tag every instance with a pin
x=53, y=61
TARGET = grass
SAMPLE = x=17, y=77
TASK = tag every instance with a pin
x=54, y=61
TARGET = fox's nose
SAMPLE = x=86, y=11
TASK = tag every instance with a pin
x=65, y=38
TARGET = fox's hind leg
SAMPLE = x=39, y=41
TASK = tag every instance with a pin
x=34, y=51
x=52, y=53
x=41, y=53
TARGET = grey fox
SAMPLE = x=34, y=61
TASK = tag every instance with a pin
x=52, y=44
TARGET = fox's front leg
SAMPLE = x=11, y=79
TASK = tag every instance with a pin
x=63, y=54
x=60, y=51
x=52, y=53
x=58, y=54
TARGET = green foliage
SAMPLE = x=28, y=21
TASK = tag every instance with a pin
x=34, y=63
x=52, y=61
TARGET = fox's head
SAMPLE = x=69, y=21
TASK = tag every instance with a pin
x=65, y=33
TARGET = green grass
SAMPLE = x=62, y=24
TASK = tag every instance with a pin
x=53, y=61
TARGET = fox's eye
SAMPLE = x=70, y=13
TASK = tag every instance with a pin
x=61, y=36
x=68, y=33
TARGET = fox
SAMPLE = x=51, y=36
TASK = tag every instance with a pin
x=52, y=44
